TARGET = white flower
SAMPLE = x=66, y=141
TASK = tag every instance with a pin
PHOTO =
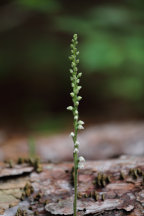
x=81, y=159
x=76, y=150
x=80, y=127
x=80, y=165
x=72, y=134
x=76, y=117
x=70, y=108
x=71, y=71
x=77, y=143
x=81, y=162
x=80, y=122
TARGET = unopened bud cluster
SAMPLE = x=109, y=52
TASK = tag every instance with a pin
x=75, y=80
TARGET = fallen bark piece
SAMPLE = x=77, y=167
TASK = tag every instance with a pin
x=11, y=192
x=65, y=207
x=121, y=195
x=16, y=170
x=106, y=188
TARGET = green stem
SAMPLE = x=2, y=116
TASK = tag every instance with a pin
x=75, y=183
x=75, y=168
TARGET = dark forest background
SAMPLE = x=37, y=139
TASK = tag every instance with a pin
x=34, y=66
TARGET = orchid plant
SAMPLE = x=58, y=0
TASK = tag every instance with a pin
x=78, y=124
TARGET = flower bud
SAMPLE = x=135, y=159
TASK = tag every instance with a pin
x=72, y=94
x=78, y=81
x=77, y=103
x=79, y=88
x=79, y=75
x=73, y=64
x=75, y=36
x=79, y=98
x=70, y=108
x=76, y=117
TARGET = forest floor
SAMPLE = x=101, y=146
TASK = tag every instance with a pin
x=112, y=182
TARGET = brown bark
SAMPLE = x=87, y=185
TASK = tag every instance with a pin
x=109, y=188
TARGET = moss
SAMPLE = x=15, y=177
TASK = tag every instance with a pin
x=79, y=195
x=103, y=197
x=32, y=162
x=101, y=180
x=134, y=173
x=21, y=212
x=122, y=176
x=28, y=190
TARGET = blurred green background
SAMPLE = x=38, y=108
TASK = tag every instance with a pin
x=34, y=66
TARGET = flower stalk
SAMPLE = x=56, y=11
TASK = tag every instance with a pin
x=78, y=124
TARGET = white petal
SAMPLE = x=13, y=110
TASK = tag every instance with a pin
x=76, y=112
x=72, y=94
x=76, y=150
x=81, y=122
x=77, y=143
x=72, y=134
x=80, y=165
x=70, y=108
x=80, y=127
x=81, y=159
